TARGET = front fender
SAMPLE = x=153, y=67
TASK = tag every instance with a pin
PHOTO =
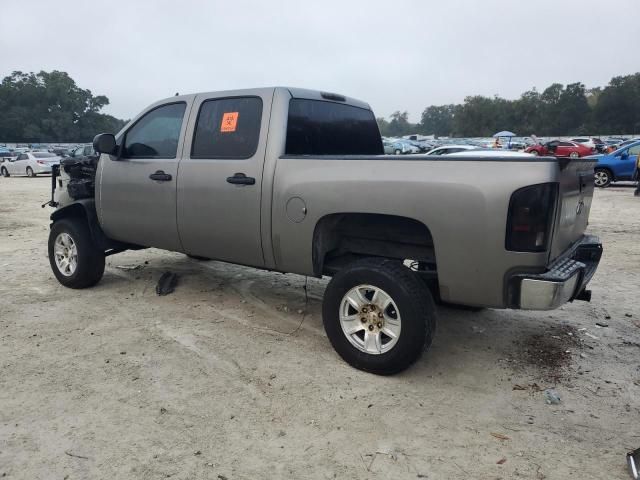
x=86, y=209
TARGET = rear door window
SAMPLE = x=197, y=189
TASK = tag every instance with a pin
x=156, y=134
x=227, y=128
x=317, y=127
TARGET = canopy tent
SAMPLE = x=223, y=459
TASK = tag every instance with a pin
x=505, y=134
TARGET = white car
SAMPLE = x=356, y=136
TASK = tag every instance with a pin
x=449, y=149
x=29, y=164
x=586, y=141
x=491, y=153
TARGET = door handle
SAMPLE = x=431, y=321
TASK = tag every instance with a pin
x=160, y=176
x=241, y=179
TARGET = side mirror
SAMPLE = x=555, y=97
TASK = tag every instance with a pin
x=105, y=143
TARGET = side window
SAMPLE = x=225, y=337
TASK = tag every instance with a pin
x=566, y=144
x=634, y=150
x=156, y=134
x=23, y=156
x=227, y=128
x=316, y=127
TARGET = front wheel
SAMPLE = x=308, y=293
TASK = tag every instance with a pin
x=75, y=260
x=30, y=172
x=534, y=153
x=379, y=315
x=398, y=152
x=602, y=178
x=5, y=172
x=574, y=155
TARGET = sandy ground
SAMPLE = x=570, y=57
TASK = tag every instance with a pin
x=217, y=381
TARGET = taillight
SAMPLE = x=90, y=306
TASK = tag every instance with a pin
x=531, y=212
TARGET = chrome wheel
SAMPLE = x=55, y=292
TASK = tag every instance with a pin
x=574, y=154
x=370, y=319
x=601, y=178
x=66, y=254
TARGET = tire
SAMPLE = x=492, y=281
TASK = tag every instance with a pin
x=30, y=172
x=89, y=264
x=574, y=155
x=535, y=153
x=410, y=315
x=602, y=177
x=5, y=172
x=397, y=152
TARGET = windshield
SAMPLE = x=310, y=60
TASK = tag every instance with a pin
x=44, y=155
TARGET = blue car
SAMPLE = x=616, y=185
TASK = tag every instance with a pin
x=617, y=166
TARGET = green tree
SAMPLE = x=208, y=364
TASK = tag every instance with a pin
x=618, y=106
x=50, y=107
x=438, y=120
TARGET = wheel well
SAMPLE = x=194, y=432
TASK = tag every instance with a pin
x=340, y=238
x=86, y=210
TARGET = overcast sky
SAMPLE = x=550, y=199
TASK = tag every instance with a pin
x=400, y=55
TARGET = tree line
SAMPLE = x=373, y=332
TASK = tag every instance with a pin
x=558, y=110
x=50, y=107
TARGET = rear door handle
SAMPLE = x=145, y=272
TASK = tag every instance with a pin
x=241, y=179
x=160, y=176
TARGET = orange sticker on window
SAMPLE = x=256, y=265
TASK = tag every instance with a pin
x=229, y=122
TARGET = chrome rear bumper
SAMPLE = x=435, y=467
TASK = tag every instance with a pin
x=564, y=281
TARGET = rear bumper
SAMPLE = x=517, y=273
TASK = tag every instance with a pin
x=562, y=282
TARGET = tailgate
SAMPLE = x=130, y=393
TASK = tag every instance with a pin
x=574, y=201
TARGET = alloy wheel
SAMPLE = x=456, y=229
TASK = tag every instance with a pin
x=370, y=319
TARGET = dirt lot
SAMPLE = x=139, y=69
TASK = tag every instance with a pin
x=232, y=376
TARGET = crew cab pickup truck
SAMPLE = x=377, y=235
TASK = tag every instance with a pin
x=295, y=181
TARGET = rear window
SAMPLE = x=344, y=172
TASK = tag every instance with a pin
x=317, y=127
x=228, y=128
x=44, y=155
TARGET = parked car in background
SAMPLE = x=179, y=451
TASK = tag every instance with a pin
x=629, y=142
x=404, y=147
x=490, y=152
x=60, y=151
x=448, y=149
x=617, y=166
x=29, y=164
x=560, y=148
x=388, y=147
x=82, y=151
x=591, y=142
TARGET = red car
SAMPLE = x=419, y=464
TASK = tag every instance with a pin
x=561, y=148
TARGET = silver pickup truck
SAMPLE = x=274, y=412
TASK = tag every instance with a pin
x=295, y=181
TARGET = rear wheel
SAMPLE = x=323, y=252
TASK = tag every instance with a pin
x=5, y=172
x=574, y=155
x=75, y=260
x=602, y=178
x=379, y=315
x=30, y=172
x=534, y=152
